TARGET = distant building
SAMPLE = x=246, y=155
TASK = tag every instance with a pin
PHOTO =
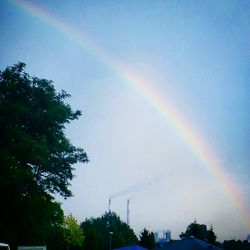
x=162, y=237
x=248, y=238
x=168, y=235
x=156, y=236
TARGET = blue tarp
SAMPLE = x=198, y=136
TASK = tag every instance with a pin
x=134, y=247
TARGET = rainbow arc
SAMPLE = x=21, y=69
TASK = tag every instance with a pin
x=180, y=125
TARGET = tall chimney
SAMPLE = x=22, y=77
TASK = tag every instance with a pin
x=128, y=211
x=109, y=204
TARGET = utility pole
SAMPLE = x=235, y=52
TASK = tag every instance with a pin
x=128, y=211
x=109, y=205
x=110, y=240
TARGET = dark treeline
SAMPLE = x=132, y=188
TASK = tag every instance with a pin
x=236, y=245
x=105, y=231
x=108, y=231
x=201, y=232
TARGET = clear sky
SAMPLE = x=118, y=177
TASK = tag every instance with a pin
x=125, y=63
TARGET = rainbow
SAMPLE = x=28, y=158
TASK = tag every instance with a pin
x=181, y=126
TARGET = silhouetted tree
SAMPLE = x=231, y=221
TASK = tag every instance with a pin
x=35, y=155
x=197, y=230
x=100, y=228
x=211, y=237
x=200, y=232
x=147, y=239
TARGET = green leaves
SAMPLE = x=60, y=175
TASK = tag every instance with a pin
x=32, y=122
x=36, y=158
x=73, y=233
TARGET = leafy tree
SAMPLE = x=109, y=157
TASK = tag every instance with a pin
x=100, y=228
x=73, y=233
x=197, y=230
x=200, y=232
x=147, y=239
x=36, y=157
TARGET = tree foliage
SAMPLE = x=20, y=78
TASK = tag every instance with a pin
x=73, y=233
x=147, y=239
x=36, y=157
x=200, y=232
x=97, y=232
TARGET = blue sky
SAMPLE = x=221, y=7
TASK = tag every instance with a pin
x=195, y=54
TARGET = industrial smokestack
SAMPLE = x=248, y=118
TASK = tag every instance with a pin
x=128, y=211
x=109, y=204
